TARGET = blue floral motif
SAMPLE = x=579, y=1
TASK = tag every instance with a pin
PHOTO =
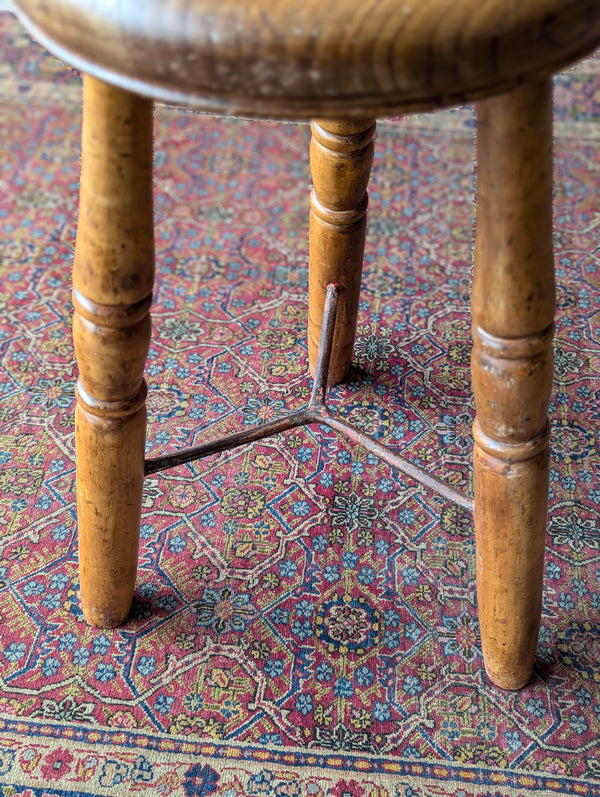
x=302, y=629
x=412, y=685
x=324, y=671
x=15, y=651
x=261, y=409
x=287, y=568
x=410, y=575
x=271, y=738
x=486, y=731
x=51, y=666
x=450, y=729
x=146, y=665
x=331, y=573
x=578, y=723
x=406, y=517
x=304, y=454
x=81, y=656
x=304, y=704
x=52, y=601
x=105, y=672
x=167, y=603
x=273, y=667
x=565, y=601
x=59, y=581
x=147, y=590
x=61, y=532
x=513, y=740
x=461, y=636
x=225, y=610
x=100, y=645
x=164, y=703
x=301, y=508
x=554, y=571
x=200, y=780
x=364, y=676
x=280, y=616
x=382, y=547
x=412, y=631
x=194, y=702
x=584, y=698
x=67, y=641
x=381, y=711
x=326, y=480
x=367, y=574
x=535, y=706
x=304, y=609
x=391, y=639
x=33, y=588
x=177, y=544
x=343, y=688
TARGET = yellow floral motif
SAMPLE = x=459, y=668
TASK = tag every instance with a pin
x=243, y=503
x=21, y=482
x=323, y=715
x=481, y=753
x=276, y=339
x=185, y=641
x=361, y=720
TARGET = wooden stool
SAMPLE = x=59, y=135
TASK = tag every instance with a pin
x=344, y=63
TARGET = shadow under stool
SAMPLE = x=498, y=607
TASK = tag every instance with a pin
x=342, y=63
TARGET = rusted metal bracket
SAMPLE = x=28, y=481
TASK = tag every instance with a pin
x=317, y=412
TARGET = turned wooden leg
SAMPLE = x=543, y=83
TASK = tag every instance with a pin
x=112, y=292
x=513, y=310
x=341, y=154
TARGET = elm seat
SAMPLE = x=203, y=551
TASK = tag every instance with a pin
x=343, y=62
x=307, y=58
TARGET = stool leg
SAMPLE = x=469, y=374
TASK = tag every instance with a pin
x=513, y=310
x=112, y=292
x=341, y=154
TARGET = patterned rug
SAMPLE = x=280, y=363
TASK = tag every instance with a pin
x=305, y=619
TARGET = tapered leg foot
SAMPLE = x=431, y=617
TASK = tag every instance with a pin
x=341, y=154
x=112, y=293
x=513, y=310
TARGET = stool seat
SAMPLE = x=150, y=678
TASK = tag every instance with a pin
x=315, y=58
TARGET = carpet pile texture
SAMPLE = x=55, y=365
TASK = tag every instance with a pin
x=305, y=619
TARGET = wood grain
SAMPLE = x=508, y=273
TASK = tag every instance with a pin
x=341, y=155
x=513, y=309
x=315, y=58
x=112, y=293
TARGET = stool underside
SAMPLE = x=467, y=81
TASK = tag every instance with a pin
x=315, y=59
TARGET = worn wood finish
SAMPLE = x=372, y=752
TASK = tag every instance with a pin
x=315, y=58
x=341, y=154
x=112, y=292
x=513, y=311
